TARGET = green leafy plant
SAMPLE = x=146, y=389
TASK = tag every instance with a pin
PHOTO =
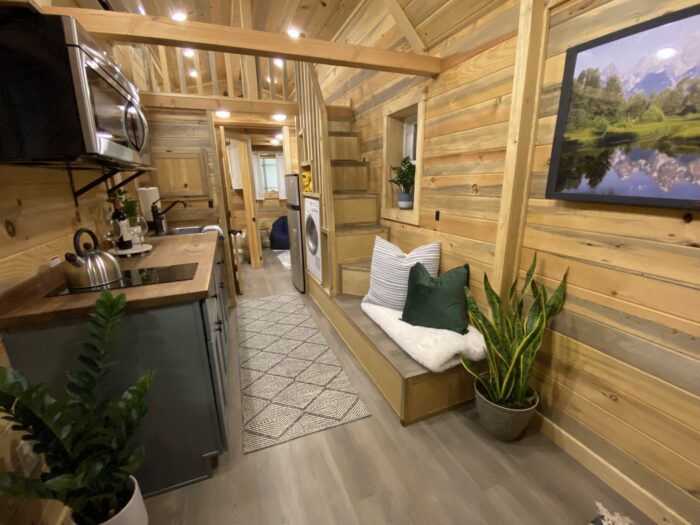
x=405, y=175
x=129, y=206
x=513, y=337
x=86, y=438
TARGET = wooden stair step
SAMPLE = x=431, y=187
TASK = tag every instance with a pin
x=344, y=145
x=355, y=207
x=356, y=242
x=354, y=277
x=350, y=175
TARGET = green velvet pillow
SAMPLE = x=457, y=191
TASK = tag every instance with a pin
x=437, y=302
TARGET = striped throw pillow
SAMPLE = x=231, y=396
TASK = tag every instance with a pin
x=388, y=278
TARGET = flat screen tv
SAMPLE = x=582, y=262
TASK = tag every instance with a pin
x=628, y=127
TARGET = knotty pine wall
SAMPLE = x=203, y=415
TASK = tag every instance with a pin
x=621, y=368
x=466, y=126
x=39, y=204
x=619, y=374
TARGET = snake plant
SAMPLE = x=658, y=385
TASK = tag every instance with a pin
x=86, y=438
x=513, y=337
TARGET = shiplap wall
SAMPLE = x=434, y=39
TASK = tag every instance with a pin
x=620, y=372
x=466, y=126
x=39, y=204
x=621, y=368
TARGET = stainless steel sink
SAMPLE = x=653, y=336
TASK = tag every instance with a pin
x=185, y=230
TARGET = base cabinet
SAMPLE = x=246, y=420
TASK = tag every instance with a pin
x=188, y=346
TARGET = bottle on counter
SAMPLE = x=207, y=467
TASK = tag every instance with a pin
x=124, y=242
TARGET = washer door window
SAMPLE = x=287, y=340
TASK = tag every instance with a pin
x=311, y=235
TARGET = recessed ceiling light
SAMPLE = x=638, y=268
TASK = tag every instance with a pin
x=275, y=142
x=666, y=52
x=189, y=53
x=179, y=15
x=293, y=32
x=279, y=117
x=279, y=136
x=278, y=62
x=193, y=73
x=223, y=113
x=141, y=9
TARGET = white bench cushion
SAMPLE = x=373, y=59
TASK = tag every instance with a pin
x=434, y=348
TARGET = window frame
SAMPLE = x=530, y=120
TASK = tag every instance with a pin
x=402, y=112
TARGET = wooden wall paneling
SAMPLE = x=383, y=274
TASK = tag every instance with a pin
x=594, y=452
x=668, y=464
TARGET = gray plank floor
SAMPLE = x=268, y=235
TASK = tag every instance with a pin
x=374, y=471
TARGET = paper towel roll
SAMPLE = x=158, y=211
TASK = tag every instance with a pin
x=147, y=196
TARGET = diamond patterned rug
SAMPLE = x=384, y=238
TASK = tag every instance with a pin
x=291, y=381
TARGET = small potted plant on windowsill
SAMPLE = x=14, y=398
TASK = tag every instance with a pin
x=405, y=180
x=85, y=437
x=504, y=399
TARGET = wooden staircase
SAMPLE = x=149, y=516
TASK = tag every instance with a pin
x=356, y=211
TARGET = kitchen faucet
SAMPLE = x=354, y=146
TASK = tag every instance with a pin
x=160, y=224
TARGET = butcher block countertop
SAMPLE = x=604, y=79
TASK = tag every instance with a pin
x=27, y=304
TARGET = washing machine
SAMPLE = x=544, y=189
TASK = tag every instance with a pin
x=312, y=238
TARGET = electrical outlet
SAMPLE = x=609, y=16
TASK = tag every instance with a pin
x=28, y=460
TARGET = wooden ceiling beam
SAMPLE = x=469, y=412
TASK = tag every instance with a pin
x=234, y=105
x=134, y=28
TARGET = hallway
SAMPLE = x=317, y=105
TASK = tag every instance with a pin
x=443, y=470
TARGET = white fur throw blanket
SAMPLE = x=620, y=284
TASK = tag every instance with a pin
x=435, y=349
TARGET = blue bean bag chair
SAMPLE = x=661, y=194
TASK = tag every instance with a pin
x=279, y=236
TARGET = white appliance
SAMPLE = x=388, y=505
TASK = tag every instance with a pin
x=312, y=238
x=296, y=246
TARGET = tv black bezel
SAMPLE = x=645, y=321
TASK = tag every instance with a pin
x=563, y=113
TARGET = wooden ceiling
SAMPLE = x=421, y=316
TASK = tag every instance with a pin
x=433, y=21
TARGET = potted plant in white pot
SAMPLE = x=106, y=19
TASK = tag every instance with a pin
x=405, y=180
x=504, y=399
x=85, y=437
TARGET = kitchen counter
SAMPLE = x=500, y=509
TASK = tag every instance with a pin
x=27, y=304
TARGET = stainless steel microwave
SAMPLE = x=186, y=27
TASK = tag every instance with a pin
x=63, y=100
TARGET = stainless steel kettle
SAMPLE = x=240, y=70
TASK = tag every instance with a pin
x=90, y=267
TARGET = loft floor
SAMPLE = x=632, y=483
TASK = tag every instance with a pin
x=374, y=471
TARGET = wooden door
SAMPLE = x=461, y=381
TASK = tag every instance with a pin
x=246, y=163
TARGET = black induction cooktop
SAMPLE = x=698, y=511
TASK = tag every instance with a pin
x=139, y=277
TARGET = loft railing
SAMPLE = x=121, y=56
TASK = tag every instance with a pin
x=164, y=69
x=314, y=152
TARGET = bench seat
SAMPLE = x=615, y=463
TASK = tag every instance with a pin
x=412, y=391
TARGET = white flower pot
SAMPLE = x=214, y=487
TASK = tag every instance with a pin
x=134, y=512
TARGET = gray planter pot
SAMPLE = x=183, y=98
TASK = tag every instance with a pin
x=505, y=424
x=405, y=201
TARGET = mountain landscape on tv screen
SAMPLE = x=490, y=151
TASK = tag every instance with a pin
x=633, y=120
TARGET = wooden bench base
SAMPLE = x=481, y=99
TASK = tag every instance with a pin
x=412, y=391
